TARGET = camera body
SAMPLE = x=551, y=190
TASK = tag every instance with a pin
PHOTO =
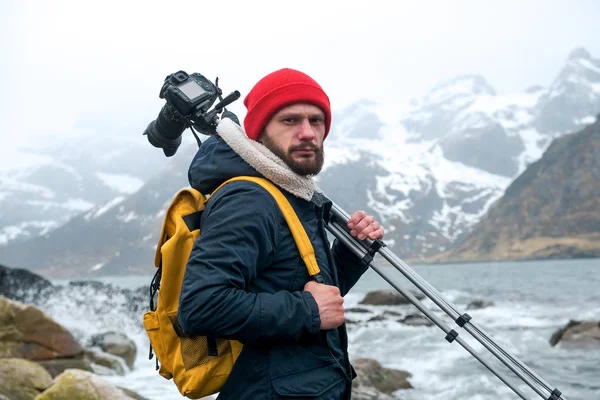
x=188, y=100
x=189, y=94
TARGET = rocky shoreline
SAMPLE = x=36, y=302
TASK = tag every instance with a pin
x=41, y=360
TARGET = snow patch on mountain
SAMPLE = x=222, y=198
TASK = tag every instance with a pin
x=23, y=230
x=101, y=209
x=121, y=182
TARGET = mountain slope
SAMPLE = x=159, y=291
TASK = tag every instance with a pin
x=113, y=238
x=55, y=181
x=550, y=211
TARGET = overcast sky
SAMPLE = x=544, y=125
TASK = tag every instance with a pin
x=64, y=62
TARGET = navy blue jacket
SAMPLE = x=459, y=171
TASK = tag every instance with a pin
x=245, y=278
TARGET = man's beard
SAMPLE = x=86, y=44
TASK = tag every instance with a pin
x=304, y=166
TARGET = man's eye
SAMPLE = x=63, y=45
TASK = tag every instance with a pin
x=316, y=121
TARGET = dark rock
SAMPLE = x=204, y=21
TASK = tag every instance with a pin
x=371, y=374
x=22, y=285
x=377, y=318
x=388, y=298
x=59, y=365
x=578, y=332
x=358, y=310
x=416, y=320
x=479, y=303
x=116, y=343
x=392, y=314
x=103, y=363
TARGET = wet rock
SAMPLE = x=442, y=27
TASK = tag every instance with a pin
x=22, y=379
x=391, y=314
x=78, y=384
x=377, y=318
x=22, y=285
x=58, y=365
x=578, y=332
x=416, y=320
x=388, y=298
x=103, y=363
x=479, y=304
x=358, y=310
x=118, y=344
x=27, y=332
x=374, y=382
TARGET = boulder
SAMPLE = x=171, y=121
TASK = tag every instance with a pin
x=416, y=320
x=477, y=304
x=117, y=344
x=78, y=384
x=103, y=363
x=22, y=379
x=22, y=285
x=373, y=381
x=56, y=366
x=388, y=298
x=578, y=332
x=358, y=310
x=27, y=332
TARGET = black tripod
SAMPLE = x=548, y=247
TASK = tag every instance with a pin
x=366, y=249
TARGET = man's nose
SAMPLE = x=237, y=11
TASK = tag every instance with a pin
x=306, y=130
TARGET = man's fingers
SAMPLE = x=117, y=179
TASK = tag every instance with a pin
x=356, y=218
x=378, y=234
x=363, y=224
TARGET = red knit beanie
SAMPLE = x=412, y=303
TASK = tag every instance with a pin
x=277, y=90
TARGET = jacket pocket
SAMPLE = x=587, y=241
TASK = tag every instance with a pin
x=305, y=370
x=312, y=382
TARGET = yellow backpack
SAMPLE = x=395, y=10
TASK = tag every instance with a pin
x=199, y=366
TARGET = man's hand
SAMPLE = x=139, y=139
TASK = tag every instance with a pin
x=331, y=309
x=362, y=226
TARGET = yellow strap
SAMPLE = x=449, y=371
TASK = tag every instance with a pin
x=302, y=241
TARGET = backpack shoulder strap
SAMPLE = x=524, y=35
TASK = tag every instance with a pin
x=185, y=203
x=305, y=247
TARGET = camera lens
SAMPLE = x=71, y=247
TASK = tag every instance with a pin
x=165, y=132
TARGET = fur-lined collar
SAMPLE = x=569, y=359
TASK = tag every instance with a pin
x=266, y=162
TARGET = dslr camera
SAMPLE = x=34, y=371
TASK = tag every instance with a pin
x=188, y=100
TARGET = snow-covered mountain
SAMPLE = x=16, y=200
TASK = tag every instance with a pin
x=429, y=171
x=53, y=182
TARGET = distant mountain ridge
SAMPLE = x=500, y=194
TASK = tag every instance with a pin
x=429, y=171
x=551, y=211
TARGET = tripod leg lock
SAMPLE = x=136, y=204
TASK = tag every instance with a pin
x=374, y=248
x=555, y=395
x=463, y=319
x=451, y=336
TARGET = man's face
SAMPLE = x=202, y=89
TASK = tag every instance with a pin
x=295, y=134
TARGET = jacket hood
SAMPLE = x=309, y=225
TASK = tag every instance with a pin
x=231, y=153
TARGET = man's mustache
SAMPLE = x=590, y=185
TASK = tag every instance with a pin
x=305, y=147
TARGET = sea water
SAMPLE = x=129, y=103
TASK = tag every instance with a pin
x=529, y=302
